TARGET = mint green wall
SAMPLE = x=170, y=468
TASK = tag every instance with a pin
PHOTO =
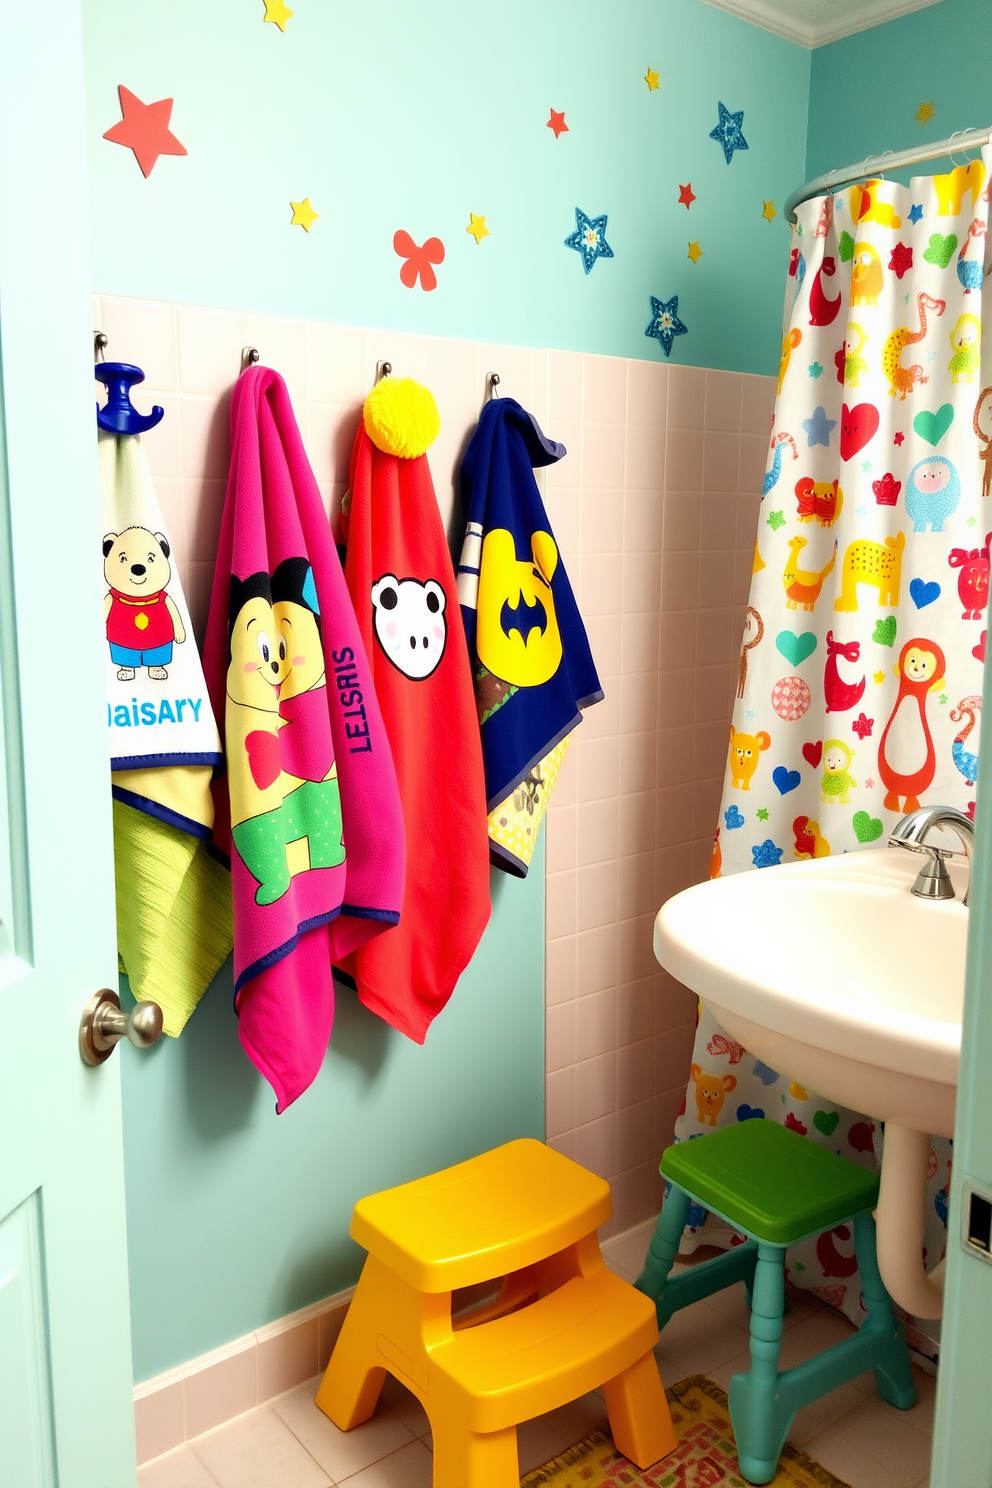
x=413, y=116
x=865, y=89
x=237, y=1216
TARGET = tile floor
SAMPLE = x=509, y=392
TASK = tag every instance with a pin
x=290, y=1444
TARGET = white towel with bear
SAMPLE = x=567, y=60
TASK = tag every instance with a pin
x=163, y=740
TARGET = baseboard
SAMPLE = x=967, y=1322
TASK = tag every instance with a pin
x=173, y=1407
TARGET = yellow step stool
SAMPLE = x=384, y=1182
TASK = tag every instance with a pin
x=562, y=1324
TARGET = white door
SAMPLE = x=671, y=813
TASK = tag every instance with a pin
x=65, y=1363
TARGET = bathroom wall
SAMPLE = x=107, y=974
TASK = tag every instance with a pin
x=236, y=1216
x=657, y=518
x=396, y=117
x=866, y=89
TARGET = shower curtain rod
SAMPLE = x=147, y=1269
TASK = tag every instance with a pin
x=965, y=139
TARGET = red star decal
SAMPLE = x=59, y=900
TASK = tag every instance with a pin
x=557, y=123
x=686, y=196
x=898, y=438
x=145, y=130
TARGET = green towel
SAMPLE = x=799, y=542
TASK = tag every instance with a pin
x=173, y=913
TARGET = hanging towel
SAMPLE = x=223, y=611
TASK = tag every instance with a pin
x=308, y=813
x=402, y=582
x=533, y=668
x=173, y=900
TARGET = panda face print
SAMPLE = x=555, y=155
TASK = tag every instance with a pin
x=409, y=624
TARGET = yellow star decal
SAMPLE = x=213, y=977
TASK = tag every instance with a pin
x=477, y=227
x=277, y=11
x=303, y=214
x=695, y=252
x=879, y=676
x=651, y=78
x=768, y=210
x=924, y=113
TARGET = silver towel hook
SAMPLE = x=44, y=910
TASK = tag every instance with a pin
x=382, y=369
x=99, y=346
x=492, y=383
x=249, y=356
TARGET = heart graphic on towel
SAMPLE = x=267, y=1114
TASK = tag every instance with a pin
x=826, y=1122
x=885, y=631
x=940, y=249
x=813, y=753
x=796, y=648
x=785, y=780
x=750, y=1113
x=923, y=594
x=933, y=426
x=264, y=758
x=867, y=828
x=978, y=652
x=857, y=426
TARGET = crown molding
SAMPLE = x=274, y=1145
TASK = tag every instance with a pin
x=781, y=18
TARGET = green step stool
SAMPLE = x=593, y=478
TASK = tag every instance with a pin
x=777, y=1188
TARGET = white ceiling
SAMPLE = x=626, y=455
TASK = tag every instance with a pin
x=815, y=22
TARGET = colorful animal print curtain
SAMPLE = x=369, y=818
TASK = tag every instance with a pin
x=865, y=636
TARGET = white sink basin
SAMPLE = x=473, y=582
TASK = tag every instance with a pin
x=833, y=973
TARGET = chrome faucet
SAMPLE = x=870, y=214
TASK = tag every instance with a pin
x=933, y=880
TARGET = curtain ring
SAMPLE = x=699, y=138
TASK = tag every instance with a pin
x=881, y=170
x=950, y=150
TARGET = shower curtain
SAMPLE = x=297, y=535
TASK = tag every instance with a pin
x=862, y=659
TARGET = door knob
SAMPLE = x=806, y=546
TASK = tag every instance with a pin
x=104, y=1024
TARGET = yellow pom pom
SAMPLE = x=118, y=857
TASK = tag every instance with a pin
x=401, y=417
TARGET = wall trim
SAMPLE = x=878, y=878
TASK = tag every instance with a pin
x=773, y=15
x=174, y=1407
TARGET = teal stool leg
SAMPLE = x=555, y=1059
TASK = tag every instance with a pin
x=760, y=1419
x=662, y=1251
x=893, y=1370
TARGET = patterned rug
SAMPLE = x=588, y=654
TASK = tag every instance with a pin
x=706, y=1456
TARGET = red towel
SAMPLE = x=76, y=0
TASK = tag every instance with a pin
x=402, y=584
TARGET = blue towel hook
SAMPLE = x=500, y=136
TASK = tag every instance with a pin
x=118, y=415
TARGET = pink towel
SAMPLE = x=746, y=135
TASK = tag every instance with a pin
x=308, y=813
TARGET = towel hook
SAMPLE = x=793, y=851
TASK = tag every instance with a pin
x=99, y=346
x=492, y=383
x=249, y=356
x=118, y=415
x=382, y=369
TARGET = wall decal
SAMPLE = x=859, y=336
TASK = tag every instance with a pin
x=924, y=113
x=651, y=78
x=477, y=227
x=695, y=252
x=728, y=132
x=277, y=11
x=418, y=260
x=145, y=129
x=768, y=210
x=665, y=323
x=589, y=238
x=303, y=214
x=557, y=123
x=686, y=196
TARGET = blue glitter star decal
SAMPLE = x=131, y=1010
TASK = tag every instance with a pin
x=915, y=212
x=665, y=324
x=728, y=132
x=819, y=428
x=589, y=238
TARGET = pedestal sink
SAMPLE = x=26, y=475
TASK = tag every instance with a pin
x=834, y=973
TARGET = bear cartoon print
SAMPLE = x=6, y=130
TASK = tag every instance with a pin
x=143, y=623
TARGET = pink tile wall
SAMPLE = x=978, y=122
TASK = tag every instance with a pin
x=655, y=511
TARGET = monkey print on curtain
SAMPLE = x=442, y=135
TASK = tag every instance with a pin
x=865, y=633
